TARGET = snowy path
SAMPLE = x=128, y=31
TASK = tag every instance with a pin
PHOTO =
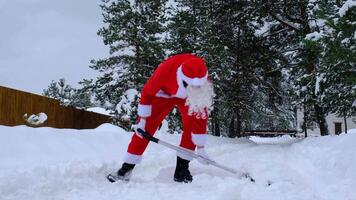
x=56, y=164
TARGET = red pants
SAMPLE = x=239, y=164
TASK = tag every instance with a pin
x=194, y=129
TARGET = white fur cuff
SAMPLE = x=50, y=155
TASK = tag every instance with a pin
x=144, y=110
x=199, y=139
x=132, y=158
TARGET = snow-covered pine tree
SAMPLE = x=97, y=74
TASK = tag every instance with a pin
x=184, y=36
x=247, y=82
x=336, y=42
x=293, y=22
x=134, y=33
x=249, y=76
x=236, y=72
x=60, y=91
x=183, y=27
x=83, y=97
x=191, y=30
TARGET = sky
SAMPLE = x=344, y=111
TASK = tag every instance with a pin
x=42, y=40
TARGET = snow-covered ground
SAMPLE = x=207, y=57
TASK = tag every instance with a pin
x=47, y=163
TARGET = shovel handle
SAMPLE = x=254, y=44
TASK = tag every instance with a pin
x=147, y=136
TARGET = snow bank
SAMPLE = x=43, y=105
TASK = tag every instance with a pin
x=47, y=163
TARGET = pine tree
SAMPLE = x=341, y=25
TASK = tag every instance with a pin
x=247, y=82
x=262, y=56
x=337, y=49
x=292, y=22
x=134, y=33
x=251, y=79
x=83, y=97
x=184, y=36
x=182, y=28
x=60, y=91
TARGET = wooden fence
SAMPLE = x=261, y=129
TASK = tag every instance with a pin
x=14, y=104
x=269, y=133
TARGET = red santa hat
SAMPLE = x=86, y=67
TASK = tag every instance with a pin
x=194, y=71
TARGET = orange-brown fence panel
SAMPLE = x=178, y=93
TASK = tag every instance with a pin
x=14, y=104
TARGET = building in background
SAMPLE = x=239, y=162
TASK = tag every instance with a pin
x=336, y=125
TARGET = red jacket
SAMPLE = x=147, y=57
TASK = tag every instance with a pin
x=165, y=82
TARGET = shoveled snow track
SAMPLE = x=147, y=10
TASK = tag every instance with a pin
x=87, y=181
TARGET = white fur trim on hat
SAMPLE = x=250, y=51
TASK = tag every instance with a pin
x=199, y=139
x=132, y=158
x=144, y=110
x=192, y=81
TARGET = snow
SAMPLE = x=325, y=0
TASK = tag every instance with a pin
x=347, y=5
x=99, y=110
x=314, y=36
x=36, y=120
x=319, y=79
x=264, y=28
x=131, y=94
x=345, y=41
x=125, y=105
x=47, y=163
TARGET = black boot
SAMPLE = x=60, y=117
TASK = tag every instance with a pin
x=182, y=173
x=124, y=173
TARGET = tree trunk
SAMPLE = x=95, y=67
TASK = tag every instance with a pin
x=305, y=123
x=232, y=132
x=238, y=123
x=217, y=128
x=305, y=130
x=320, y=118
x=216, y=124
x=305, y=120
x=345, y=121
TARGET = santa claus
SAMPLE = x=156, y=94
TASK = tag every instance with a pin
x=180, y=81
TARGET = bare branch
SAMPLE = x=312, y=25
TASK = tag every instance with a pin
x=289, y=24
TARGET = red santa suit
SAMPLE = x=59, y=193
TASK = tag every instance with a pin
x=165, y=90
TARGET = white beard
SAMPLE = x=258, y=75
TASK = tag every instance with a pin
x=200, y=100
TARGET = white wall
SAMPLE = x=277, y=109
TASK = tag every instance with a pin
x=331, y=119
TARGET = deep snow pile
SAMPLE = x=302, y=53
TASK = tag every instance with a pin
x=46, y=163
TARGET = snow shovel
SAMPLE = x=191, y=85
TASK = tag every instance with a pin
x=192, y=154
